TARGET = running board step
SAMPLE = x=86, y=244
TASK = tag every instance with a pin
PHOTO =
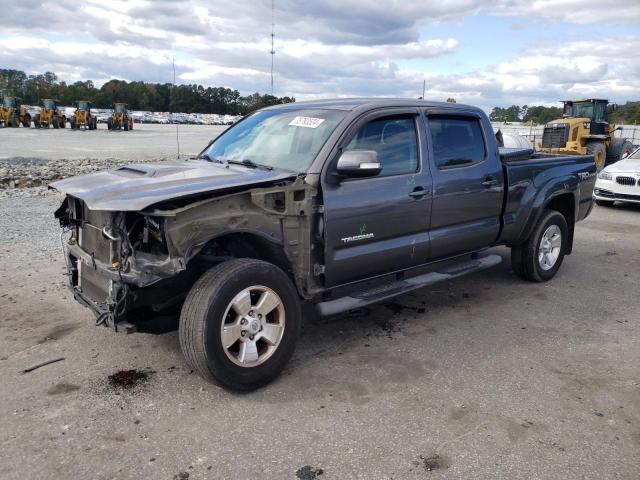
x=361, y=299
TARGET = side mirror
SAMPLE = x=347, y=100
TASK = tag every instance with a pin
x=359, y=163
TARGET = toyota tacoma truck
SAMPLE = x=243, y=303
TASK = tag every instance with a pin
x=337, y=203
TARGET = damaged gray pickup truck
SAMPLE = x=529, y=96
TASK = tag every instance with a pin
x=337, y=203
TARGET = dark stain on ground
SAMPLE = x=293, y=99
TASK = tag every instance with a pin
x=308, y=473
x=57, y=332
x=128, y=378
x=431, y=463
x=62, y=388
x=388, y=328
x=396, y=308
x=181, y=476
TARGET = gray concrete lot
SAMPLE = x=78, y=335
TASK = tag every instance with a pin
x=144, y=142
x=483, y=377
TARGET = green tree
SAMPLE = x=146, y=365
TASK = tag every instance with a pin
x=139, y=95
x=540, y=115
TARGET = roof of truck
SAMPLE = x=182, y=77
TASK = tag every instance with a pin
x=352, y=103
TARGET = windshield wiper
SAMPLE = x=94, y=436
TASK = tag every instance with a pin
x=208, y=158
x=250, y=163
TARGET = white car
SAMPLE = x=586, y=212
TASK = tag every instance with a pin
x=619, y=182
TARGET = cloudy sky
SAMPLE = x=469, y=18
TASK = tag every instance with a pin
x=487, y=53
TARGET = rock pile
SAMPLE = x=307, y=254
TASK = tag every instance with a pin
x=20, y=173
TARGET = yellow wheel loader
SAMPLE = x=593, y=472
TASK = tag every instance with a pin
x=120, y=118
x=584, y=129
x=82, y=117
x=51, y=115
x=13, y=114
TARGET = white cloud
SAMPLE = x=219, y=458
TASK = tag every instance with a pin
x=324, y=48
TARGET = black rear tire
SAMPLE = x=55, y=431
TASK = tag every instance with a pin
x=618, y=148
x=203, y=314
x=525, y=258
x=604, y=203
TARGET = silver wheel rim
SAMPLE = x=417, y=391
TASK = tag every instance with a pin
x=549, y=249
x=253, y=326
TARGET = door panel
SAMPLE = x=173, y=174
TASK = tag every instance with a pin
x=468, y=186
x=379, y=224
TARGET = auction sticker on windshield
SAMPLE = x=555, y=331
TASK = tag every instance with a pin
x=308, y=122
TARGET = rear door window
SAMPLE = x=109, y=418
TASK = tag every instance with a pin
x=456, y=141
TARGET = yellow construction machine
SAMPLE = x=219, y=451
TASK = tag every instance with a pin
x=82, y=117
x=584, y=129
x=120, y=118
x=13, y=113
x=50, y=115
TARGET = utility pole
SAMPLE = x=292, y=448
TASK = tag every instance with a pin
x=173, y=88
x=424, y=87
x=273, y=34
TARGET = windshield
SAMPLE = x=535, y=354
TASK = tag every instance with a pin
x=7, y=102
x=119, y=108
x=282, y=139
x=83, y=106
x=583, y=110
x=48, y=104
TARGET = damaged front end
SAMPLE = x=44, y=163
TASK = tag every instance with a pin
x=111, y=254
x=125, y=264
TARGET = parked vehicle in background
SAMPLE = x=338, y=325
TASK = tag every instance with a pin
x=120, y=118
x=619, y=182
x=584, y=129
x=13, y=113
x=51, y=114
x=339, y=203
x=82, y=116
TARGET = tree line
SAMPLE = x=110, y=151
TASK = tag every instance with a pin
x=156, y=97
x=629, y=113
x=165, y=97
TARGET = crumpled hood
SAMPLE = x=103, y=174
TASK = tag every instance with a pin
x=626, y=165
x=137, y=186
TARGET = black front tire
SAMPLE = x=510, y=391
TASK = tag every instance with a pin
x=525, y=258
x=599, y=152
x=203, y=314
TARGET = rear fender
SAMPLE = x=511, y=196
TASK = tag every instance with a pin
x=553, y=193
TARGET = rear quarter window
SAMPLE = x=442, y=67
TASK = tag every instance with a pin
x=456, y=141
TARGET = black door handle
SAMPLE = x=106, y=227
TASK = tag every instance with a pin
x=489, y=181
x=418, y=192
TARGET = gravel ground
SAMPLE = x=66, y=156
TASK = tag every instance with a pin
x=483, y=377
x=33, y=158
